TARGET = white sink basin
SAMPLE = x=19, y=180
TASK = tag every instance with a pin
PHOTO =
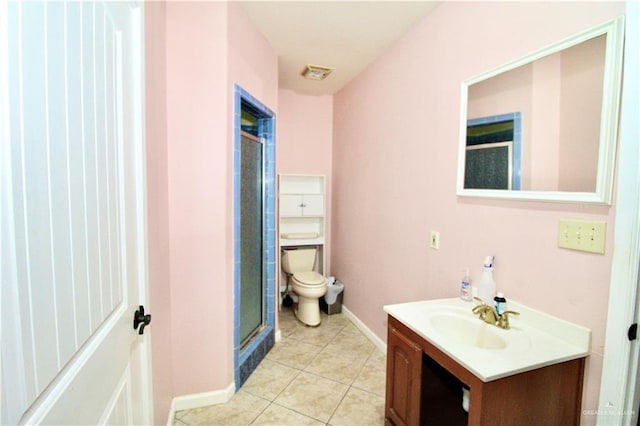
x=534, y=340
x=468, y=331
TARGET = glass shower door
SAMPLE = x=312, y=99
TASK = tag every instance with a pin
x=252, y=279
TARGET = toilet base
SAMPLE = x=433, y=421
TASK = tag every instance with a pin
x=308, y=311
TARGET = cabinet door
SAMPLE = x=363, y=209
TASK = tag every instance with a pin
x=313, y=205
x=404, y=379
x=291, y=205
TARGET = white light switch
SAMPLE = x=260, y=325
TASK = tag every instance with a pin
x=583, y=235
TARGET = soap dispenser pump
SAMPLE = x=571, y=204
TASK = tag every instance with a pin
x=487, y=287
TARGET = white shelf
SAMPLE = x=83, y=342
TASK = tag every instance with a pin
x=301, y=215
x=284, y=242
x=301, y=184
x=301, y=208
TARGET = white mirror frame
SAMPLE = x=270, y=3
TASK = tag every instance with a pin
x=614, y=29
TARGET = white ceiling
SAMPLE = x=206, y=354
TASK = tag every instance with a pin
x=344, y=35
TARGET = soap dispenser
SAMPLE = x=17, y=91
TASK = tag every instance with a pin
x=487, y=287
x=465, y=287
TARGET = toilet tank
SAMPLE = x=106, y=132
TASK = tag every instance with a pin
x=298, y=260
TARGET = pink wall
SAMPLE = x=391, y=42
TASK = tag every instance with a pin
x=304, y=143
x=583, y=67
x=196, y=52
x=199, y=173
x=252, y=62
x=158, y=209
x=545, y=125
x=394, y=169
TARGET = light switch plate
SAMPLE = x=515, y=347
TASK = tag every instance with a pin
x=583, y=235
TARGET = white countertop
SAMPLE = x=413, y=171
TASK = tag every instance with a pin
x=535, y=339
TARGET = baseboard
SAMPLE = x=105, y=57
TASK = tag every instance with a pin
x=278, y=336
x=380, y=344
x=197, y=400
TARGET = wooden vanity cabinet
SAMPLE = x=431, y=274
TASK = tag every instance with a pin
x=424, y=387
x=403, y=391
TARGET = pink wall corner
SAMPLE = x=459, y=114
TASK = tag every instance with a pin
x=394, y=168
x=253, y=64
x=304, y=144
x=199, y=176
x=158, y=209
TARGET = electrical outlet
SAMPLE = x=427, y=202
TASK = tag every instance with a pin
x=435, y=240
x=583, y=235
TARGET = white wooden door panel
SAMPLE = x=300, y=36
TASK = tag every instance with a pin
x=118, y=410
x=72, y=213
x=61, y=227
x=76, y=171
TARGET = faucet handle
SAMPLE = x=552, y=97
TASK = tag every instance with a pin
x=503, y=319
x=478, y=309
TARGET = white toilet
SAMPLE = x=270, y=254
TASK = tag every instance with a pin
x=307, y=284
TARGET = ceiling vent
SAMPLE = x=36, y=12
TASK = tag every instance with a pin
x=315, y=72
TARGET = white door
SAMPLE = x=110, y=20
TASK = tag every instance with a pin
x=73, y=220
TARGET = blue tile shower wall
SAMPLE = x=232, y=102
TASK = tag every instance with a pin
x=246, y=359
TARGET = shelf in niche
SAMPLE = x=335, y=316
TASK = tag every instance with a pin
x=301, y=184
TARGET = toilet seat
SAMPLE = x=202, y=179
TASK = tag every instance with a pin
x=308, y=279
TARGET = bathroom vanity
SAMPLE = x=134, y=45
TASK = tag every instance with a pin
x=524, y=375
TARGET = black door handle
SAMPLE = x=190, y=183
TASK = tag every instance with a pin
x=140, y=318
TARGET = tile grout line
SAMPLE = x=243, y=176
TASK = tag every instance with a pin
x=349, y=388
x=295, y=334
x=272, y=402
x=326, y=345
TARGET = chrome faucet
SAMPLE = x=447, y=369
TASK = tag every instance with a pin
x=489, y=315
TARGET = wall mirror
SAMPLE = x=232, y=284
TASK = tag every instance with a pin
x=544, y=127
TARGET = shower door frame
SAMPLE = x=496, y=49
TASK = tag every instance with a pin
x=247, y=355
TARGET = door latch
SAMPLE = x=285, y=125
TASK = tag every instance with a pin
x=632, y=332
x=140, y=319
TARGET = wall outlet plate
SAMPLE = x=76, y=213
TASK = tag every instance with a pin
x=435, y=240
x=583, y=235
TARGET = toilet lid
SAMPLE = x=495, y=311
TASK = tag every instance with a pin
x=309, y=278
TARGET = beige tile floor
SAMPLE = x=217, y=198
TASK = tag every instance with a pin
x=329, y=375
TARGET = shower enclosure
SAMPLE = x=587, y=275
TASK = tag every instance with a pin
x=252, y=256
x=254, y=233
